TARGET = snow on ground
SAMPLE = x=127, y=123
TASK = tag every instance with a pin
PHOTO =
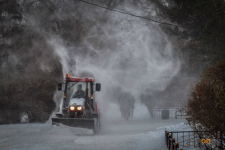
x=139, y=132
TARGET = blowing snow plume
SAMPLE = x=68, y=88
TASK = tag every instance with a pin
x=123, y=53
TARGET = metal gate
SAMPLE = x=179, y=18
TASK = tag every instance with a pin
x=169, y=113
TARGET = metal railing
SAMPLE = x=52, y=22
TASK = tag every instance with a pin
x=190, y=139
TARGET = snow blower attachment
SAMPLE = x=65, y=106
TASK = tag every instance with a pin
x=82, y=123
x=79, y=108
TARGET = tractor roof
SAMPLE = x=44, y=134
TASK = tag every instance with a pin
x=75, y=79
x=80, y=79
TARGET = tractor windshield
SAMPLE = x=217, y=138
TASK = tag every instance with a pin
x=77, y=90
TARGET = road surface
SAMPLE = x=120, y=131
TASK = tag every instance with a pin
x=139, y=132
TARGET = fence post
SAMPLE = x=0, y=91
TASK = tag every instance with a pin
x=169, y=141
x=177, y=146
x=172, y=143
x=166, y=137
x=176, y=115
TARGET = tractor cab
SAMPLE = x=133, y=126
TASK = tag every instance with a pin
x=79, y=89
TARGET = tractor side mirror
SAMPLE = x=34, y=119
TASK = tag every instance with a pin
x=60, y=87
x=98, y=87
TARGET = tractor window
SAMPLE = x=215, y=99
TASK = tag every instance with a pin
x=76, y=90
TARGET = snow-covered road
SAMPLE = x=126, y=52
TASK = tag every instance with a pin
x=139, y=132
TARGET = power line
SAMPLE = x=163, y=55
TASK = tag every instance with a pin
x=127, y=13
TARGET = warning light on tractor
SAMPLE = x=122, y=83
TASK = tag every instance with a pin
x=67, y=75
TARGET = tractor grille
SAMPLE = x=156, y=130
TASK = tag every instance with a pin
x=76, y=114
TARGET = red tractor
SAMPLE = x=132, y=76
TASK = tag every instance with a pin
x=79, y=107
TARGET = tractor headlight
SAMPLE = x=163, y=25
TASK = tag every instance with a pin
x=79, y=108
x=72, y=108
